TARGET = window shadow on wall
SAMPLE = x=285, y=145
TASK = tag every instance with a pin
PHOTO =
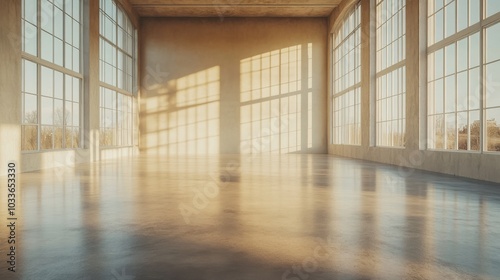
x=207, y=92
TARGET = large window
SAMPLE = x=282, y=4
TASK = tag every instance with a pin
x=463, y=70
x=117, y=72
x=51, y=74
x=391, y=72
x=347, y=80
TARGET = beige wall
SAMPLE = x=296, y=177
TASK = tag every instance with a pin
x=207, y=87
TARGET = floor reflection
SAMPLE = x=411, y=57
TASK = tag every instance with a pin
x=253, y=217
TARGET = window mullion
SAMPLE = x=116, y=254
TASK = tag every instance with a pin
x=38, y=73
x=64, y=75
x=482, y=111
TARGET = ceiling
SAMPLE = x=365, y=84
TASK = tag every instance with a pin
x=234, y=8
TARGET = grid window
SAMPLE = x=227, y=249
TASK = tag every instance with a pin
x=117, y=70
x=347, y=80
x=391, y=72
x=463, y=111
x=51, y=75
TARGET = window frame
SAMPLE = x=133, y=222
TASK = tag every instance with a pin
x=381, y=72
x=40, y=62
x=480, y=27
x=105, y=86
x=338, y=136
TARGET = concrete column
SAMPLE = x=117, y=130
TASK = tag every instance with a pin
x=10, y=83
x=412, y=74
x=91, y=78
x=367, y=87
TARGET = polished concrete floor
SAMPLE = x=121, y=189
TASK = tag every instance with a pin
x=282, y=217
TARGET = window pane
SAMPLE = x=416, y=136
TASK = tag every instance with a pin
x=439, y=32
x=76, y=89
x=475, y=130
x=451, y=132
x=47, y=111
x=474, y=50
x=68, y=60
x=462, y=14
x=47, y=47
x=47, y=16
x=474, y=89
x=450, y=19
x=493, y=43
x=30, y=38
x=493, y=129
x=462, y=55
x=439, y=95
x=439, y=131
x=492, y=7
x=76, y=114
x=47, y=82
x=30, y=11
x=76, y=137
x=58, y=52
x=30, y=77
x=462, y=90
x=121, y=40
x=438, y=64
x=68, y=7
x=58, y=138
x=76, y=60
x=68, y=27
x=29, y=137
x=68, y=137
x=493, y=85
x=450, y=60
x=58, y=4
x=58, y=112
x=474, y=12
x=430, y=99
x=68, y=114
x=450, y=93
x=462, y=131
x=47, y=137
x=68, y=87
x=58, y=23
x=76, y=34
x=76, y=10
x=30, y=109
